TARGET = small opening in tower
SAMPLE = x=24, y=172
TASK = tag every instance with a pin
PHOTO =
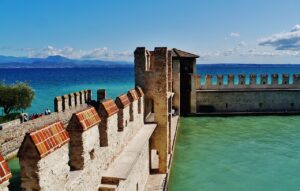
x=147, y=62
x=260, y=105
x=92, y=154
x=292, y=104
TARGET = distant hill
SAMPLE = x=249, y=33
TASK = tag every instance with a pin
x=56, y=62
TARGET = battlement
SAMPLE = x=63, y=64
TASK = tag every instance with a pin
x=86, y=149
x=75, y=99
x=108, y=144
x=252, y=81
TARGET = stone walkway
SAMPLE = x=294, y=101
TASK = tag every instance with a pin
x=158, y=182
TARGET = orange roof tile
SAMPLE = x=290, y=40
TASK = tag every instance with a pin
x=49, y=138
x=122, y=101
x=132, y=95
x=5, y=173
x=88, y=118
x=110, y=107
x=139, y=91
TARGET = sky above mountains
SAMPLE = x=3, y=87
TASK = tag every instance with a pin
x=220, y=31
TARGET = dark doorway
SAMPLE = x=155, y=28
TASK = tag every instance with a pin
x=186, y=71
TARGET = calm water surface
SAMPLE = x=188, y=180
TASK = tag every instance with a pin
x=237, y=154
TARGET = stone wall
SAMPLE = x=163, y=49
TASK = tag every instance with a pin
x=151, y=74
x=12, y=137
x=248, y=101
x=10, y=124
x=141, y=167
x=56, y=172
x=240, y=82
x=259, y=95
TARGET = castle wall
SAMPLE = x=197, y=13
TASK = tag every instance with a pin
x=94, y=159
x=176, y=85
x=266, y=95
x=53, y=170
x=10, y=124
x=248, y=101
x=154, y=82
x=255, y=81
x=12, y=137
x=139, y=174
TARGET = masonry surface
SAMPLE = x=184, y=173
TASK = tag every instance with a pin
x=264, y=95
x=104, y=144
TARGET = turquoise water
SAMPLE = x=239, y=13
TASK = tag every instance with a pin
x=51, y=82
x=237, y=154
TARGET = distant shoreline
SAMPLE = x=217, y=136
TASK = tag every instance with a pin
x=130, y=65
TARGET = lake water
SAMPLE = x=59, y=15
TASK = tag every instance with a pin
x=237, y=154
x=234, y=153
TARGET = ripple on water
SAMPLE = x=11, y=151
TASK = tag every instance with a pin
x=237, y=154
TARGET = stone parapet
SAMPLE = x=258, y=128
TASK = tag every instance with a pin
x=274, y=81
x=72, y=155
x=75, y=99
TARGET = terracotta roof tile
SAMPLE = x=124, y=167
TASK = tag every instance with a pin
x=122, y=101
x=88, y=118
x=5, y=173
x=49, y=138
x=110, y=107
x=132, y=94
x=139, y=91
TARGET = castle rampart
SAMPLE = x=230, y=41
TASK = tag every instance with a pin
x=105, y=144
x=83, y=147
x=266, y=94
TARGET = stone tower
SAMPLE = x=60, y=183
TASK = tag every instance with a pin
x=158, y=73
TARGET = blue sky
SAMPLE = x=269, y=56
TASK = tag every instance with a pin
x=239, y=31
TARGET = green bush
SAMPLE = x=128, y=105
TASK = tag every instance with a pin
x=9, y=117
x=15, y=97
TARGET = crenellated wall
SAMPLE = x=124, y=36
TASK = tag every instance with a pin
x=87, y=147
x=243, y=81
x=11, y=138
x=266, y=94
x=69, y=101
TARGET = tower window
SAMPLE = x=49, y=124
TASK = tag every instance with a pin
x=92, y=154
x=147, y=62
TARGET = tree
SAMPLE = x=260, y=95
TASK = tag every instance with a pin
x=15, y=97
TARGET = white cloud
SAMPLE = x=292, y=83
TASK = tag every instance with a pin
x=242, y=44
x=234, y=34
x=284, y=40
x=242, y=51
x=69, y=52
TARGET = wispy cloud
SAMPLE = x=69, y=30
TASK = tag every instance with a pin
x=284, y=40
x=242, y=50
x=234, y=34
x=70, y=52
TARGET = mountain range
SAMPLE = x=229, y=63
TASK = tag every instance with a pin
x=55, y=62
